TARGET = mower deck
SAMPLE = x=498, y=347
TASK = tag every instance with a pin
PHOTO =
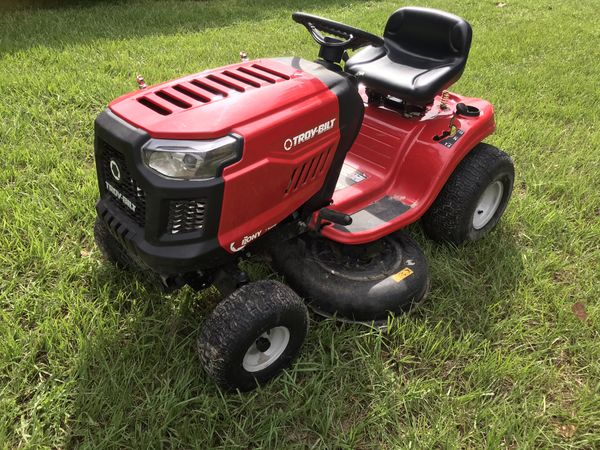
x=382, y=186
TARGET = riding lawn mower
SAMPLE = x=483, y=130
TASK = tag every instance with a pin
x=314, y=166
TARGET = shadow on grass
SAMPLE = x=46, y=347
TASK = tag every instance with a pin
x=19, y=5
x=81, y=22
x=139, y=381
x=139, y=364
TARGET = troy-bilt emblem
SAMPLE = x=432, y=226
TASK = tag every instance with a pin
x=290, y=143
x=119, y=196
x=115, y=170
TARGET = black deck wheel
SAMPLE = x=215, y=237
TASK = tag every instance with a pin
x=473, y=199
x=110, y=248
x=252, y=335
x=358, y=283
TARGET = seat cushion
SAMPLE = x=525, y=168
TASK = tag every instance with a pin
x=416, y=84
x=424, y=52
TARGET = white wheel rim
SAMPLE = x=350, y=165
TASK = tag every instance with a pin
x=488, y=204
x=255, y=359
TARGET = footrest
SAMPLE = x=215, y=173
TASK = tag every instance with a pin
x=377, y=214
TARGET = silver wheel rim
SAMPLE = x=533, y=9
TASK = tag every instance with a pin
x=256, y=360
x=488, y=204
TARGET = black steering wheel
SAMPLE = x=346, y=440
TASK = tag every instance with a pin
x=346, y=37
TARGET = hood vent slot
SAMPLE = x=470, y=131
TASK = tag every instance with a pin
x=257, y=74
x=277, y=74
x=154, y=107
x=192, y=94
x=307, y=171
x=226, y=83
x=172, y=99
x=242, y=79
x=209, y=88
x=206, y=88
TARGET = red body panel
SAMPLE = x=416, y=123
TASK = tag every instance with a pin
x=270, y=183
x=401, y=160
x=268, y=104
x=216, y=102
x=271, y=105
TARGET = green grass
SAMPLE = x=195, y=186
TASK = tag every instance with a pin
x=496, y=358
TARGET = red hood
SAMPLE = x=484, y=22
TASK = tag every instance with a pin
x=214, y=103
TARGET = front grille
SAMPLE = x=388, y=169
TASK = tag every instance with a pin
x=125, y=185
x=186, y=216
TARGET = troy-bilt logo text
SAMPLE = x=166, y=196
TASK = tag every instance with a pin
x=290, y=143
x=110, y=188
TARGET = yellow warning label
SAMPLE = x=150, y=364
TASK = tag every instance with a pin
x=406, y=272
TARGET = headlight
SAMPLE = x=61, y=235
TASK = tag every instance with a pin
x=190, y=160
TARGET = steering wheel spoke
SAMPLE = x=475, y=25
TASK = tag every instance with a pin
x=344, y=37
x=327, y=40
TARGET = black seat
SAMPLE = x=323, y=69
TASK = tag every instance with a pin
x=424, y=52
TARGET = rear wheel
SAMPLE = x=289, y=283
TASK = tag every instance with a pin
x=474, y=197
x=110, y=248
x=356, y=283
x=252, y=335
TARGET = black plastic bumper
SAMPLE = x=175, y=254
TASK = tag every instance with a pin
x=140, y=219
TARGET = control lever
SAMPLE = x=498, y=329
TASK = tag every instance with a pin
x=329, y=215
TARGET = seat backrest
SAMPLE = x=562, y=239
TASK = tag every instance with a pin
x=427, y=34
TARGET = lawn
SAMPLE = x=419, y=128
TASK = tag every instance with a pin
x=504, y=354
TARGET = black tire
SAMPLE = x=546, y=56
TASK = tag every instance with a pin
x=355, y=283
x=451, y=217
x=239, y=322
x=110, y=248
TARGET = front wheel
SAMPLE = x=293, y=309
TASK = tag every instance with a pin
x=474, y=197
x=252, y=335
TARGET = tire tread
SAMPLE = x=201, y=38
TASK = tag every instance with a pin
x=445, y=220
x=236, y=316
